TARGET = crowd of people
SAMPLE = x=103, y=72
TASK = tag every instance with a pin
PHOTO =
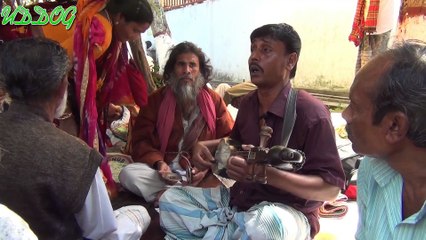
x=58, y=185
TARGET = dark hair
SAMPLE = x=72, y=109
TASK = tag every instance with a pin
x=403, y=88
x=188, y=47
x=32, y=68
x=284, y=33
x=133, y=10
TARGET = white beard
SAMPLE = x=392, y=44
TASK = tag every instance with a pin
x=186, y=93
x=62, y=106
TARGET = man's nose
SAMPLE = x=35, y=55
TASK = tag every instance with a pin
x=345, y=115
x=254, y=56
x=187, y=69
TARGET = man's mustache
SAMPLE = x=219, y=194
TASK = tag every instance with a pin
x=186, y=77
x=255, y=66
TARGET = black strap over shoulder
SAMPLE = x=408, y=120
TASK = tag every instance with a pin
x=289, y=117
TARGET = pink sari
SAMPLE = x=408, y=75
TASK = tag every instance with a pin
x=98, y=82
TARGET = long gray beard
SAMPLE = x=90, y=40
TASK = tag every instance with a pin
x=186, y=93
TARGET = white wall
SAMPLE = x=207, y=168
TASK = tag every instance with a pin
x=222, y=29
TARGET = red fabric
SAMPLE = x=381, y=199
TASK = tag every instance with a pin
x=360, y=25
x=357, y=33
x=86, y=85
x=138, y=86
x=351, y=192
x=108, y=79
x=86, y=78
x=129, y=86
x=164, y=124
x=166, y=115
x=371, y=20
x=207, y=109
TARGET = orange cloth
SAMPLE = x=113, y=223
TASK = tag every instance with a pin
x=66, y=37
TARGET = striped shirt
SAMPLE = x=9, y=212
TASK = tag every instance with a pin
x=380, y=205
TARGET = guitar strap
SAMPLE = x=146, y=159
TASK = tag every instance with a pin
x=289, y=117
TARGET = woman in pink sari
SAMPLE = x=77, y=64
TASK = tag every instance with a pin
x=102, y=72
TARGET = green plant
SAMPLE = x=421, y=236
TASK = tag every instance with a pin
x=157, y=77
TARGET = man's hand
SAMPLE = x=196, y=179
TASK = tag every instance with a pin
x=197, y=176
x=165, y=172
x=201, y=157
x=114, y=111
x=237, y=168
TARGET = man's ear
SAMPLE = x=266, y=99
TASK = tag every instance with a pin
x=396, y=126
x=292, y=60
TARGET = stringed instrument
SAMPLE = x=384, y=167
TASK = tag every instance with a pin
x=258, y=158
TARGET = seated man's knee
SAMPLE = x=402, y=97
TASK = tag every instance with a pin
x=126, y=176
x=172, y=197
x=132, y=221
x=130, y=174
x=169, y=195
x=292, y=222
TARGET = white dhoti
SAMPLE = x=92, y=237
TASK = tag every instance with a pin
x=132, y=222
x=142, y=180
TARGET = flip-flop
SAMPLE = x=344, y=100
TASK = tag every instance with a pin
x=337, y=208
x=330, y=210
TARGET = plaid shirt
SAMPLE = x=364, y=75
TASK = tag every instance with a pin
x=361, y=24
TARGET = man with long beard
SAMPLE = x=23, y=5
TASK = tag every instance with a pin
x=177, y=116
